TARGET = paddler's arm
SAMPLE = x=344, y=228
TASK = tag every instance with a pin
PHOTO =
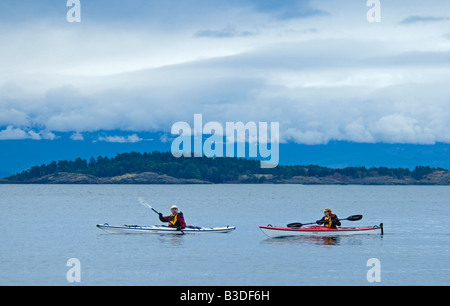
x=181, y=220
x=335, y=219
x=162, y=218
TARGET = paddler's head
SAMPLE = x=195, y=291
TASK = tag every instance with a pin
x=174, y=209
x=327, y=211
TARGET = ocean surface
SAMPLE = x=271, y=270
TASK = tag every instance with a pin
x=43, y=226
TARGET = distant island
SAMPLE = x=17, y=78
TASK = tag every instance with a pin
x=163, y=168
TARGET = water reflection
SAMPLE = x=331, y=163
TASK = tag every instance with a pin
x=315, y=240
x=171, y=240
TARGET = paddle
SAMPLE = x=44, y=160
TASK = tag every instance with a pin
x=351, y=218
x=142, y=201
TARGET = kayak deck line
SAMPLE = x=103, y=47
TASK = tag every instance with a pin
x=158, y=229
x=275, y=232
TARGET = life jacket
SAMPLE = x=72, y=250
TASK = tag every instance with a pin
x=328, y=221
x=173, y=219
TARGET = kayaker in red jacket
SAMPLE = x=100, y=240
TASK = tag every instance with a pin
x=176, y=219
x=330, y=220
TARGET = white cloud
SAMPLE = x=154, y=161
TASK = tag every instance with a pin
x=121, y=139
x=11, y=133
x=77, y=136
x=165, y=138
x=357, y=132
x=397, y=128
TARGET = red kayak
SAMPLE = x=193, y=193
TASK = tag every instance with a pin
x=275, y=232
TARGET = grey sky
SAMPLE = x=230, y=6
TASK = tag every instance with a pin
x=317, y=67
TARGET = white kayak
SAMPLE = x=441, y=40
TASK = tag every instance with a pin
x=276, y=232
x=161, y=229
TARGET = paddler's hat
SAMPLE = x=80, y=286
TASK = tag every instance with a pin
x=173, y=206
x=327, y=210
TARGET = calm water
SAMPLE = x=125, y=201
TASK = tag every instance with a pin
x=43, y=226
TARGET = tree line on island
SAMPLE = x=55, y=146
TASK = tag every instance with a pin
x=216, y=170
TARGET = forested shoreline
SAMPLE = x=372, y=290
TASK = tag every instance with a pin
x=163, y=167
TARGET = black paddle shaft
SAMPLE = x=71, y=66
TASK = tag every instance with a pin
x=351, y=218
x=155, y=210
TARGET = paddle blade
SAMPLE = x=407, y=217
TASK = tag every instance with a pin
x=142, y=201
x=354, y=218
x=294, y=225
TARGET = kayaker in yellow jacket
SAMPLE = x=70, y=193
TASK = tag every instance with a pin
x=329, y=220
x=176, y=219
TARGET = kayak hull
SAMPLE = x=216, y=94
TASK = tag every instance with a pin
x=156, y=229
x=276, y=232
